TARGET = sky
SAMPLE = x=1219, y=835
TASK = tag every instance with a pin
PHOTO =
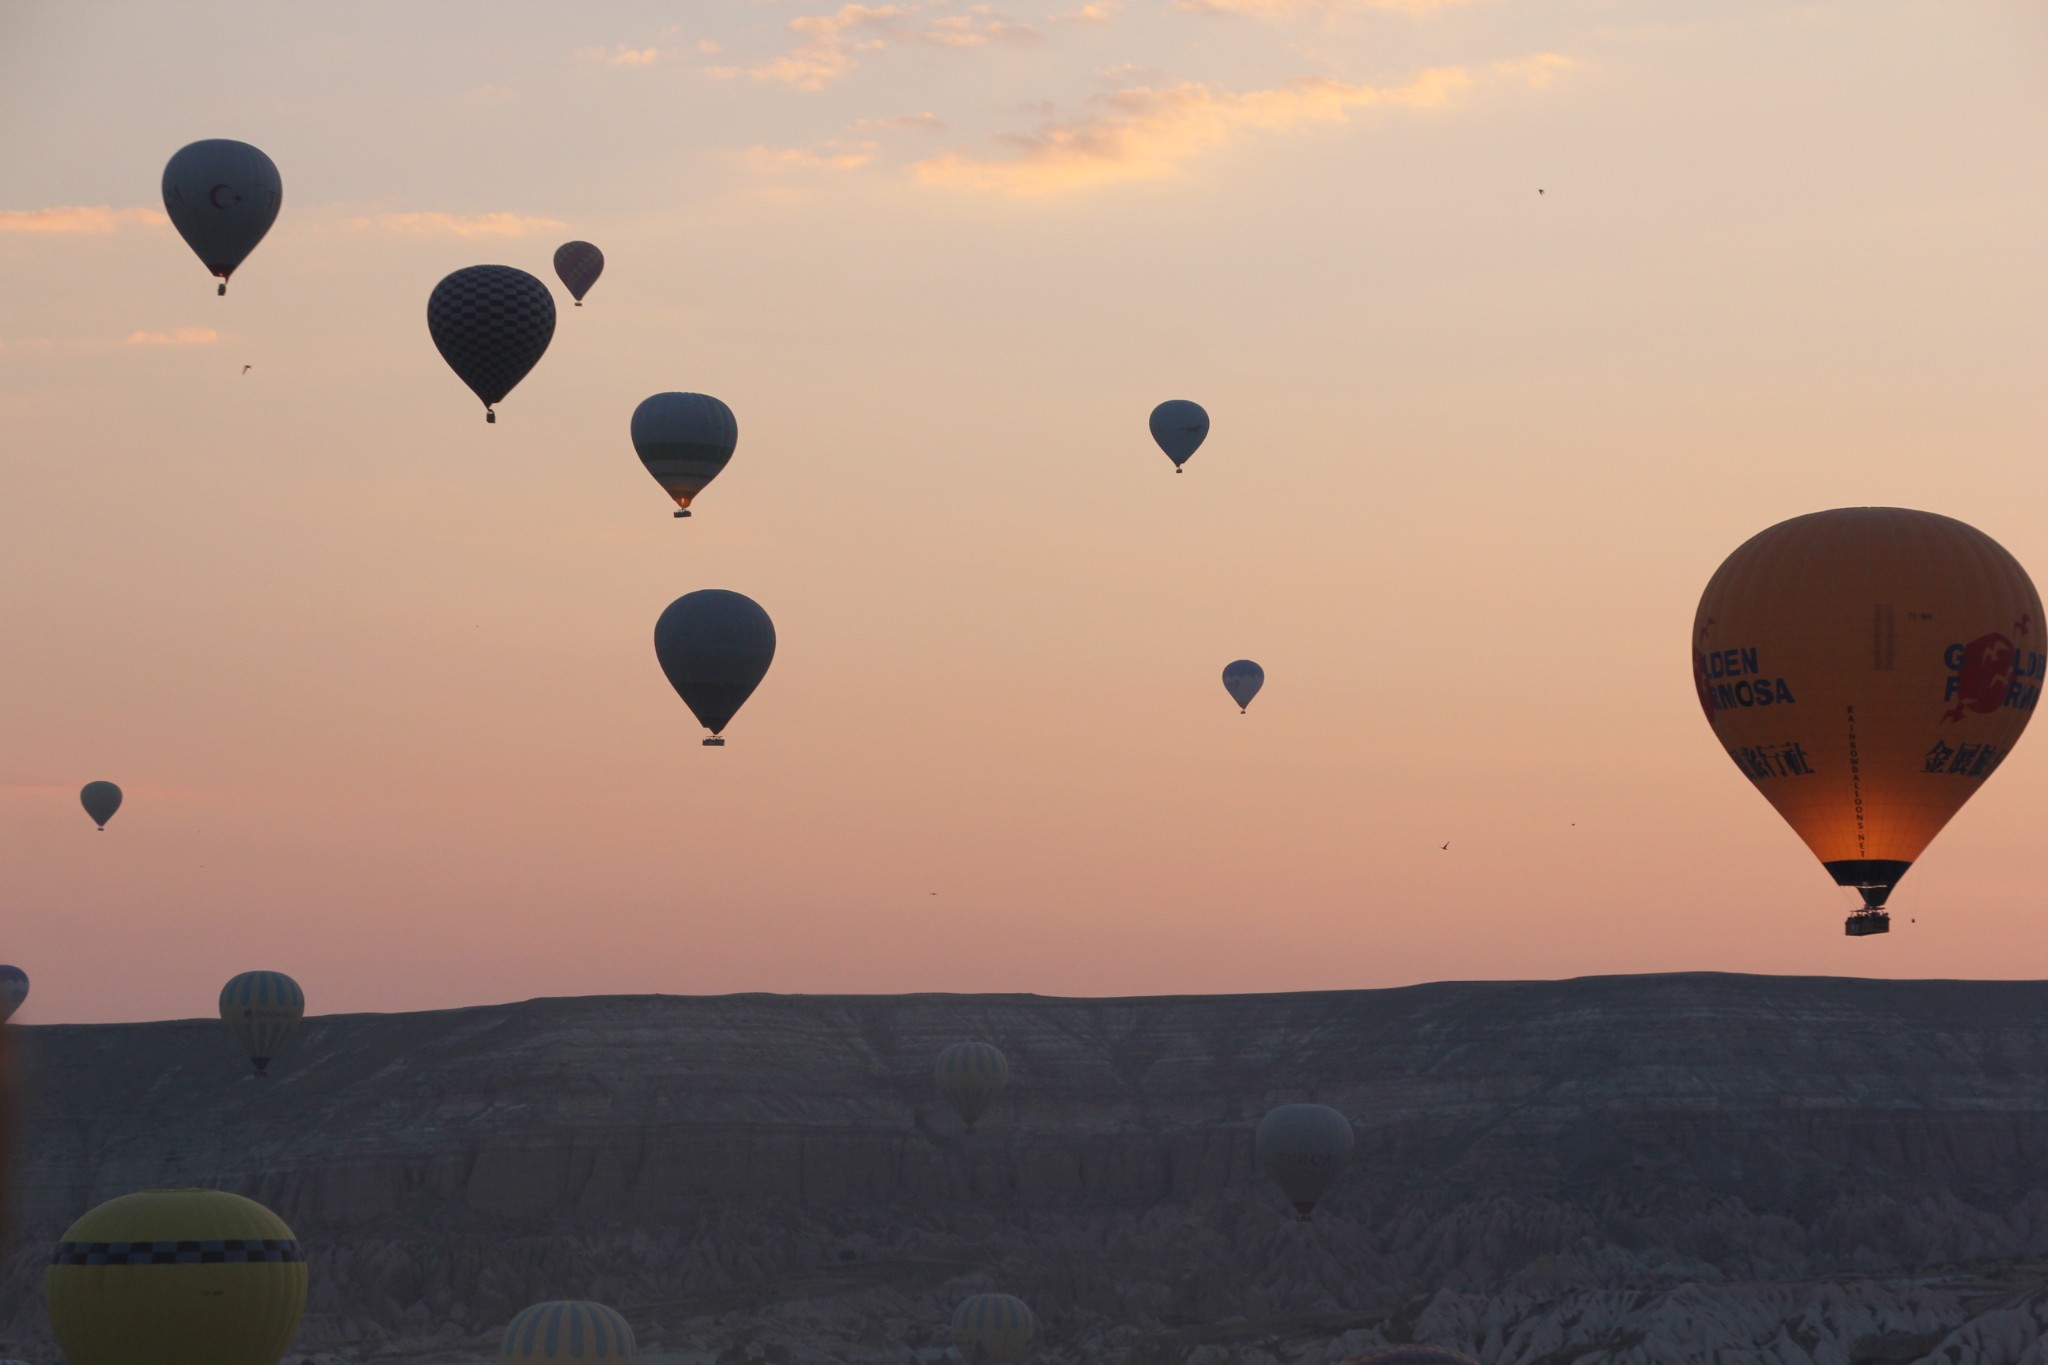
x=378, y=681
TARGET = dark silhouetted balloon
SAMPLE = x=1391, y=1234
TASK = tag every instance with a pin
x=13, y=990
x=115, y=1298
x=1303, y=1147
x=1867, y=669
x=262, y=1009
x=101, y=800
x=715, y=646
x=970, y=1076
x=567, y=1330
x=1180, y=427
x=578, y=264
x=222, y=197
x=992, y=1329
x=492, y=324
x=1242, y=680
x=684, y=439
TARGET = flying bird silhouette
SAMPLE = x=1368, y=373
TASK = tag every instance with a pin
x=1447, y=843
x=247, y=368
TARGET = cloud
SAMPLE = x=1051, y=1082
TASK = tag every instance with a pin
x=181, y=336
x=456, y=224
x=621, y=55
x=1150, y=134
x=834, y=156
x=905, y=123
x=831, y=43
x=1286, y=9
x=77, y=219
x=1094, y=12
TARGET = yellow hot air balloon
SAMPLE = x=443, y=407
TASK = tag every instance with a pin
x=176, y=1277
x=1867, y=668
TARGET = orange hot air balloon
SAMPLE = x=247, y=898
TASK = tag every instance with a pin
x=1867, y=668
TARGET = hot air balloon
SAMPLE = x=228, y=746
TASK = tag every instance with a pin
x=684, y=439
x=1180, y=427
x=970, y=1076
x=13, y=990
x=222, y=197
x=1303, y=1147
x=176, y=1277
x=492, y=324
x=1867, y=668
x=101, y=800
x=1411, y=1355
x=1242, y=680
x=715, y=646
x=578, y=264
x=567, y=1329
x=262, y=1008
x=992, y=1327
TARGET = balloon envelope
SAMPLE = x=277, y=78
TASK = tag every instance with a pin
x=121, y=1290
x=568, y=1329
x=684, y=439
x=992, y=1327
x=13, y=990
x=262, y=1009
x=970, y=1076
x=1867, y=669
x=101, y=800
x=577, y=265
x=492, y=324
x=1303, y=1147
x=1242, y=680
x=1180, y=427
x=222, y=196
x=715, y=646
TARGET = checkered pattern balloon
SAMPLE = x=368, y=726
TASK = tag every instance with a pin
x=579, y=264
x=492, y=324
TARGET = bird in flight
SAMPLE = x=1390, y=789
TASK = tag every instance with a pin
x=1447, y=843
x=247, y=368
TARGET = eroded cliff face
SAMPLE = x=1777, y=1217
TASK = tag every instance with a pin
x=1657, y=1169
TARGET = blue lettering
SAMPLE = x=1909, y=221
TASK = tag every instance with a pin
x=1784, y=692
x=1953, y=683
x=1763, y=693
x=1953, y=657
x=1744, y=695
x=1749, y=661
x=1732, y=663
x=1723, y=696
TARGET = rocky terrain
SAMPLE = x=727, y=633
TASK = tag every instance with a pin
x=1662, y=1169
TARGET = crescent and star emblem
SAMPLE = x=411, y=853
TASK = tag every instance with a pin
x=213, y=196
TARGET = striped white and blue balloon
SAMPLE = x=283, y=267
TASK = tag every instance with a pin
x=13, y=990
x=567, y=1329
x=970, y=1076
x=992, y=1327
x=262, y=1008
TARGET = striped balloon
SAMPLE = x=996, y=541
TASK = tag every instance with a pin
x=262, y=1008
x=1411, y=1355
x=492, y=324
x=992, y=1327
x=684, y=439
x=970, y=1076
x=13, y=990
x=578, y=264
x=567, y=1329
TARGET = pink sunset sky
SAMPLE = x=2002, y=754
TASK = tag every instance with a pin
x=378, y=680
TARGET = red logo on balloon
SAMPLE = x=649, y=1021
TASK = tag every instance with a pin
x=1982, y=676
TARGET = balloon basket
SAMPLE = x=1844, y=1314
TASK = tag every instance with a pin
x=682, y=511
x=715, y=742
x=1867, y=922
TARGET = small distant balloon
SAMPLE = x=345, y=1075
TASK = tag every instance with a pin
x=1242, y=679
x=993, y=1328
x=101, y=800
x=262, y=1009
x=578, y=264
x=568, y=1329
x=684, y=439
x=222, y=196
x=715, y=647
x=970, y=1076
x=492, y=324
x=13, y=990
x=1303, y=1147
x=1180, y=427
